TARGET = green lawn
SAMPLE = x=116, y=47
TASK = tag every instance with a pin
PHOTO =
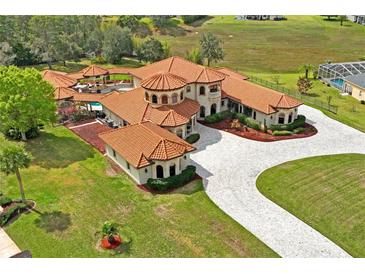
x=76, y=192
x=326, y=192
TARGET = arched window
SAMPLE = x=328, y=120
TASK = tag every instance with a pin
x=164, y=99
x=281, y=118
x=159, y=171
x=147, y=96
x=290, y=118
x=188, y=89
x=154, y=99
x=182, y=95
x=254, y=115
x=202, y=111
x=174, y=98
x=202, y=90
x=213, y=109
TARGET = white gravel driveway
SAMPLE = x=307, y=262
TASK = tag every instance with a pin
x=230, y=165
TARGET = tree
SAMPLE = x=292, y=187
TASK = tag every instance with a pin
x=117, y=42
x=94, y=44
x=306, y=68
x=128, y=21
x=211, y=48
x=151, y=50
x=26, y=100
x=195, y=56
x=7, y=55
x=329, y=17
x=276, y=79
x=342, y=18
x=189, y=19
x=12, y=158
x=304, y=85
x=67, y=48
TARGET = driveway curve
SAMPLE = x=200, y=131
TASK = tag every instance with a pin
x=230, y=166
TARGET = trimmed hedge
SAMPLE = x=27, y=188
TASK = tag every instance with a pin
x=242, y=118
x=299, y=130
x=299, y=122
x=165, y=184
x=11, y=212
x=252, y=124
x=282, y=133
x=215, y=118
x=5, y=201
x=193, y=138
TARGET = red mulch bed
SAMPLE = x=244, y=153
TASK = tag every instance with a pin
x=260, y=136
x=90, y=133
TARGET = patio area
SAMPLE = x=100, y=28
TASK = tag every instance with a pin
x=89, y=131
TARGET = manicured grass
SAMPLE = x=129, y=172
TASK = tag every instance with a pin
x=76, y=191
x=326, y=192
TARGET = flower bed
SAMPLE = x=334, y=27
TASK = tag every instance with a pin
x=253, y=134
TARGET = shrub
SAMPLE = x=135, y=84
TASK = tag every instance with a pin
x=252, y=124
x=80, y=116
x=362, y=102
x=299, y=130
x=215, y=118
x=172, y=182
x=242, y=118
x=299, y=122
x=11, y=212
x=193, y=138
x=5, y=201
x=15, y=134
x=282, y=133
x=188, y=19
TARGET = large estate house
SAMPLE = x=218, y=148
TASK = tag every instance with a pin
x=160, y=106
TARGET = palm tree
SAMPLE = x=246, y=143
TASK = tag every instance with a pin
x=12, y=158
x=306, y=68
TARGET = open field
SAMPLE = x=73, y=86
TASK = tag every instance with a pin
x=326, y=192
x=277, y=46
x=76, y=191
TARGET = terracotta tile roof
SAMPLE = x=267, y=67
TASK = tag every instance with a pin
x=93, y=70
x=163, y=81
x=190, y=71
x=232, y=73
x=88, y=97
x=61, y=93
x=132, y=107
x=141, y=143
x=120, y=70
x=255, y=96
x=76, y=75
x=58, y=79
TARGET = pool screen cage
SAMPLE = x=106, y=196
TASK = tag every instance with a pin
x=329, y=71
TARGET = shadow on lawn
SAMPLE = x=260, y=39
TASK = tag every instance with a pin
x=51, y=151
x=53, y=221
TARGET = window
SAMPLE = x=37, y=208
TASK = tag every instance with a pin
x=128, y=166
x=164, y=99
x=154, y=99
x=145, y=170
x=202, y=111
x=185, y=157
x=202, y=90
x=114, y=154
x=146, y=96
x=159, y=171
x=254, y=115
x=213, y=109
x=182, y=95
x=281, y=118
x=213, y=88
x=174, y=98
x=188, y=89
x=222, y=103
x=172, y=170
x=290, y=118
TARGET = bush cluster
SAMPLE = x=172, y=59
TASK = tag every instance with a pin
x=252, y=124
x=4, y=201
x=165, y=184
x=299, y=122
x=80, y=116
x=215, y=118
x=282, y=133
x=193, y=138
x=5, y=217
x=362, y=102
x=299, y=130
x=15, y=134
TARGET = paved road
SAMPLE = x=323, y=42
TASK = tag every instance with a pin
x=230, y=165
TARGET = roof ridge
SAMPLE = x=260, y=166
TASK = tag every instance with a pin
x=172, y=61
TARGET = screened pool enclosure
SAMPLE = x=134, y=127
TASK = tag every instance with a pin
x=335, y=73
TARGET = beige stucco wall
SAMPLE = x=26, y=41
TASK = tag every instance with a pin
x=141, y=175
x=117, y=121
x=357, y=92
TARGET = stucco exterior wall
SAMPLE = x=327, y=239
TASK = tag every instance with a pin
x=141, y=175
x=117, y=121
x=356, y=92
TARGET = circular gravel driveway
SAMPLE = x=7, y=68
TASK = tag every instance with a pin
x=230, y=165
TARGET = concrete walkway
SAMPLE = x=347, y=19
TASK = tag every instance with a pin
x=230, y=165
x=7, y=247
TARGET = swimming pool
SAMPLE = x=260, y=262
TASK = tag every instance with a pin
x=95, y=104
x=337, y=83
